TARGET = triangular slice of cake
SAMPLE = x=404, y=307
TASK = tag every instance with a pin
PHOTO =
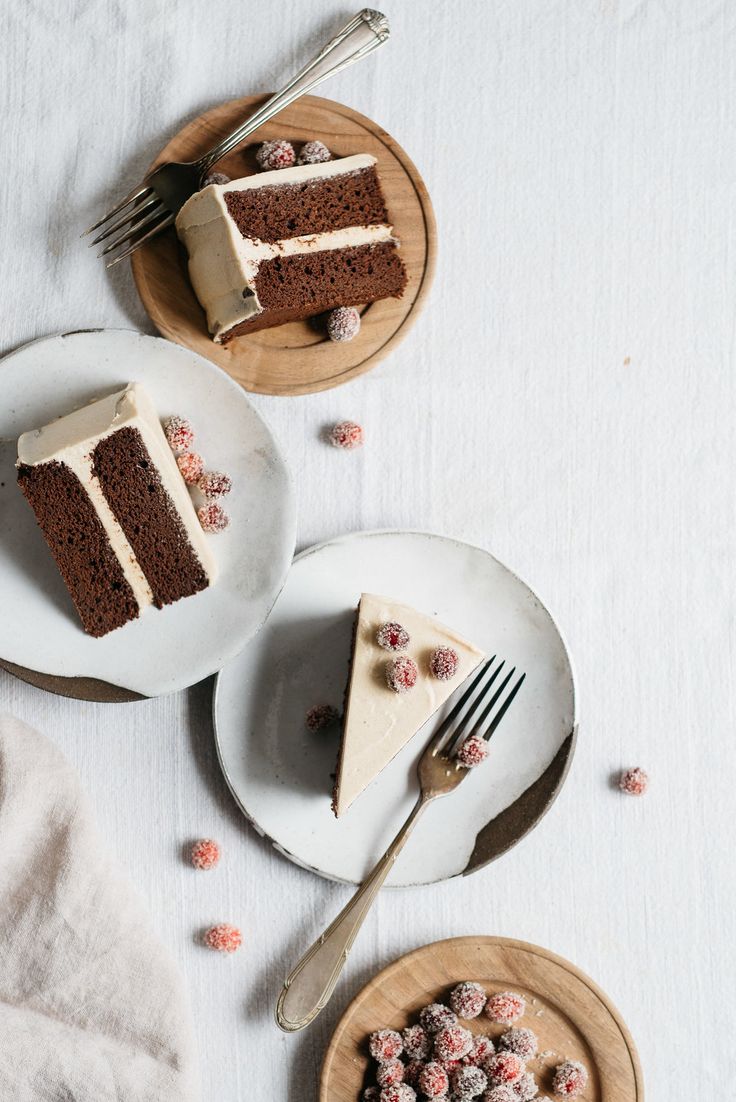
x=404, y=666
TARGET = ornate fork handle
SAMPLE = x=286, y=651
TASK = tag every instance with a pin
x=309, y=986
x=364, y=33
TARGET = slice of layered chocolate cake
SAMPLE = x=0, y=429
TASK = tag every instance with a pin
x=289, y=244
x=114, y=509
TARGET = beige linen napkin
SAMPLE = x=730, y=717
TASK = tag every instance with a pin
x=91, y=1006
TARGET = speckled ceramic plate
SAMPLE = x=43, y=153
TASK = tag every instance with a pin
x=281, y=775
x=41, y=638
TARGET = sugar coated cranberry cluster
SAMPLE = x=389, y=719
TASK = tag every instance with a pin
x=223, y=938
x=281, y=154
x=211, y=484
x=438, y=1059
x=402, y=672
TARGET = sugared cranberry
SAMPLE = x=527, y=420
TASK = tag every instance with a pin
x=473, y=752
x=503, y=1067
x=443, y=663
x=313, y=153
x=502, y=1092
x=389, y=1073
x=347, y=435
x=215, y=178
x=521, y=1041
x=191, y=465
x=570, y=1079
x=224, y=938
x=481, y=1050
x=416, y=1042
x=215, y=484
x=506, y=1007
x=401, y=1092
x=469, y=1081
x=433, y=1080
x=634, y=782
x=276, y=154
x=525, y=1088
x=453, y=1042
x=205, y=854
x=437, y=1016
x=213, y=517
x=343, y=324
x=179, y=433
x=392, y=636
x=321, y=716
x=401, y=674
x=371, y=1094
x=385, y=1045
x=412, y=1072
x=467, y=1000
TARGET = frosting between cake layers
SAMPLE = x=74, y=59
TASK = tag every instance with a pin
x=223, y=264
x=71, y=440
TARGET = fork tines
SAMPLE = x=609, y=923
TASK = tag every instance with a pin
x=480, y=709
x=145, y=215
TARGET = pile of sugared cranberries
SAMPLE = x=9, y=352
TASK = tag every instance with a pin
x=275, y=154
x=439, y=1060
x=634, y=782
x=211, y=484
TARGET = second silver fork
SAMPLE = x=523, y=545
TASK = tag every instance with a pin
x=479, y=711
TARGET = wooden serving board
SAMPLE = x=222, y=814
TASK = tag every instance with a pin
x=572, y=1017
x=296, y=358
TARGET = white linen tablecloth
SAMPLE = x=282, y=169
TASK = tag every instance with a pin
x=567, y=400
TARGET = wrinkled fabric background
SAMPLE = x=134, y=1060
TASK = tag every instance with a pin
x=567, y=400
x=91, y=1007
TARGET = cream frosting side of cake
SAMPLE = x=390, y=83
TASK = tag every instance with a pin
x=378, y=721
x=223, y=264
x=72, y=439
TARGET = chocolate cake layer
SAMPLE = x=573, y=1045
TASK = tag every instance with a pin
x=299, y=286
x=315, y=206
x=79, y=543
x=146, y=514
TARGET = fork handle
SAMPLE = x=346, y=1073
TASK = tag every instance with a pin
x=365, y=32
x=310, y=985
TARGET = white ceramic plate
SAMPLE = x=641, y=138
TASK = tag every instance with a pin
x=279, y=773
x=177, y=646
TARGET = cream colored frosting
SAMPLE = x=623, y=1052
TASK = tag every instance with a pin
x=72, y=439
x=223, y=264
x=379, y=722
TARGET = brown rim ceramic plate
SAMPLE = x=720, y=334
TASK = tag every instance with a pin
x=572, y=1018
x=296, y=358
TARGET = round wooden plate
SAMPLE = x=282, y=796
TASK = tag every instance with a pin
x=572, y=1017
x=296, y=358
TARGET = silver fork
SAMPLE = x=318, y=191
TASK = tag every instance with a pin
x=150, y=208
x=479, y=711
